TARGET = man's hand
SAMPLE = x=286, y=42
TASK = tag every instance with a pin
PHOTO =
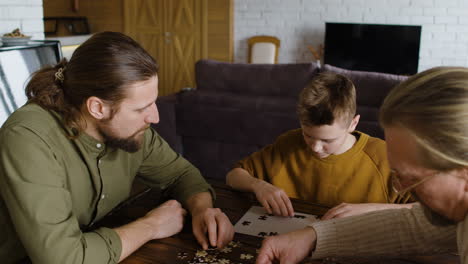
x=288, y=248
x=214, y=222
x=165, y=220
x=273, y=199
x=346, y=209
x=208, y=221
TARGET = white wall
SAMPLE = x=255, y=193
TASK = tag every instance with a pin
x=23, y=14
x=299, y=23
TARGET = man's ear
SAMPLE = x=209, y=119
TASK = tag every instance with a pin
x=354, y=123
x=97, y=108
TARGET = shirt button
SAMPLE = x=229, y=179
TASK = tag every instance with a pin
x=98, y=145
x=103, y=196
x=99, y=161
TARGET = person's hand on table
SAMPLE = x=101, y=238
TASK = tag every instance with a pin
x=273, y=199
x=214, y=222
x=346, y=209
x=289, y=248
x=165, y=220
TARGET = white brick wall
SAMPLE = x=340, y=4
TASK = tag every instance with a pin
x=299, y=23
x=23, y=14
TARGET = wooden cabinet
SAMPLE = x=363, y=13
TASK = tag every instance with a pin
x=175, y=33
x=101, y=15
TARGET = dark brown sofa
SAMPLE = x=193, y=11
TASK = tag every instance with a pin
x=238, y=108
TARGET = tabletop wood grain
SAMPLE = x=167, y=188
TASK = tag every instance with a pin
x=234, y=204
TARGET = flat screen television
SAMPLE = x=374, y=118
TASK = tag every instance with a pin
x=17, y=63
x=371, y=47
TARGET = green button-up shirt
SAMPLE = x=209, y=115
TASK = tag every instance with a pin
x=52, y=187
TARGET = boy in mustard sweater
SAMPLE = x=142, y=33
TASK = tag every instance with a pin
x=325, y=161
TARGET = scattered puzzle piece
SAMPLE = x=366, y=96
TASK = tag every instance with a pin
x=210, y=258
x=299, y=216
x=246, y=256
x=234, y=244
x=263, y=217
x=182, y=255
x=226, y=250
x=234, y=253
x=201, y=253
x=246, y=223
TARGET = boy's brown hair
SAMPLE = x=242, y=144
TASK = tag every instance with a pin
x=326, y=98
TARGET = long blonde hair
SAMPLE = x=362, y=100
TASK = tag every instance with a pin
x=433, y=107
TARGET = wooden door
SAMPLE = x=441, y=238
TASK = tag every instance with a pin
x=220, y=30
x=174, y=33
x=187, y=40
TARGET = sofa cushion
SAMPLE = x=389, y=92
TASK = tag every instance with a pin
x=371, y=87
x=371, y=90
x=239, y=101
x=234, y=118
x=218, y=129
x=253, y=79
x=214, y=158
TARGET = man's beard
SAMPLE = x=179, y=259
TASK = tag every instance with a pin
x=129, y=144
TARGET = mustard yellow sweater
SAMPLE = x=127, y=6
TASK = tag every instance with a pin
x=360, y=175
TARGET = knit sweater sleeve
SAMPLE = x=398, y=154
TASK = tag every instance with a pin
x=393, y=232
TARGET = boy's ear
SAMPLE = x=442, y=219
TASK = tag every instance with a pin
x=354, y=123
x=97, y=108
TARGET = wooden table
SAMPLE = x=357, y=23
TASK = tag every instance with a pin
x=234, y=204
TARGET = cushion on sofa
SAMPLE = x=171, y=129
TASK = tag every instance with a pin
x=219, y=128
x=239, y=101
x=371, y=87
x=371, y=90
x=215, y=158
x=238, y=120
x=253, y=79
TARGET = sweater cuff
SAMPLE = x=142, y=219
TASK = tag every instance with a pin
x=103, y=237
x=327, y=239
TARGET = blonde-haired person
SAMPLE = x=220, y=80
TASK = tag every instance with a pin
x=426, y=124
x=325, y=161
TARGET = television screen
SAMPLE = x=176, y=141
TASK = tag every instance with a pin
x=369, y=47
x=17, y=63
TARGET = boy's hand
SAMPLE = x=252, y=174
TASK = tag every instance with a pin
x=274, y=199
x=346, y=209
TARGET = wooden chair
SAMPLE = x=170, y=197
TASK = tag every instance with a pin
x=263, y=49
